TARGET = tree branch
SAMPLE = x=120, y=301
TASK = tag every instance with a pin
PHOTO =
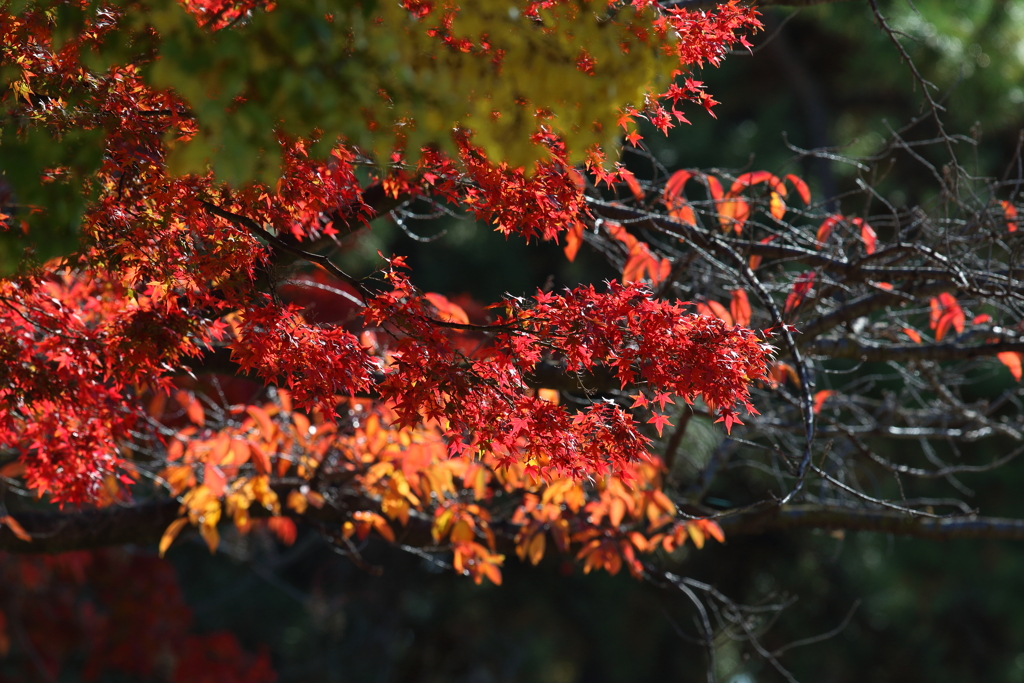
x=144, y=523
x=791, y=517
x=879, y=353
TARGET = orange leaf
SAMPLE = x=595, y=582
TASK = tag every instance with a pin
x=867, y=235
x=946, y=312
x=801, y=188
x=218, y=453
x=913, y=334
x=754, y=178
x=683, y=213
x=632, y=183
x=618, y=232
x=384, y=529
x=733, y=213
x=935, y=314
x=13, y=469
x=240, y=453
x=1010, y=211
x=210, y=535
x=820, y=398
x=573, y=240
x=714, y=187
x=777, y=207
x=755, y=261
x=446, y=310
x=825, y=230
x=739, y=307
x=172, y=531
x=713, y=529
x=536, y=550
x=214, y=479
x=297, y=502
x=943, y=326
x=780, y=371
x=696, y=534
x=1011, y=359
x=664, y=270
x=577, y=179
x=259, y=459
x=981, y=319
x=16, y=528
x=549, y=395
x=801, y=288
x=193, y=408
x=283, y=528
x=267, y=427
x=634, y=268
x=719, y=311
x=950, y=303
x=674, y=186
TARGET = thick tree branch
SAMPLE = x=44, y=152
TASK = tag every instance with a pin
x=143, y=524
x=792, y=517
x=879, y=353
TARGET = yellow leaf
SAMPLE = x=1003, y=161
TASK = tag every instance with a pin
x=461, y=532
x=384, y=529
x=297, y=502
x=171, y=533
x=536, y=551
x=210, y=535
x=696, y=534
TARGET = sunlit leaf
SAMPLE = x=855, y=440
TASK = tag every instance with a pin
x=1012, y=360
x=172, y=531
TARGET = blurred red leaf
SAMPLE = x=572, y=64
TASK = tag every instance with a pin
x=820, y=398
x=740, y=308
x=801, y=188
x=801, y=288
x=573, y=240
x=632, y=183
x=867, y=235
x=825, y=229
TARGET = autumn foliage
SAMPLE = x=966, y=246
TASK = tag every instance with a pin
x=414, y=411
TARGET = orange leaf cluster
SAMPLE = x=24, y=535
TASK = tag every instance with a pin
x=945, y=313
x=733, y=211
